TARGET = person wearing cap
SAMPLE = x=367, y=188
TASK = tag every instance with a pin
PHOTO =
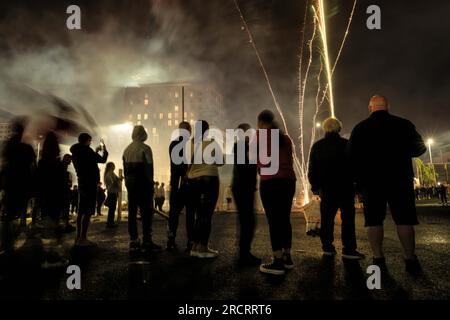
x=380, y=149
x=330, y=178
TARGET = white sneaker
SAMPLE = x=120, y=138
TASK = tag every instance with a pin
x=207, y=254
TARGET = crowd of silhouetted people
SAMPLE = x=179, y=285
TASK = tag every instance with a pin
x=375, y=163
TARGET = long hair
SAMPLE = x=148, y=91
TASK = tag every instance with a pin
x=50, y=147
x=108, y=170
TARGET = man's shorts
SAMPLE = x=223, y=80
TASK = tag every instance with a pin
x=87, y=198
x=398, y=196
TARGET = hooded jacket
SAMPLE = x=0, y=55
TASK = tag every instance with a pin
x=85, y=160
x=138, y=161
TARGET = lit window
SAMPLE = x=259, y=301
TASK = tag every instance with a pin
x=169, y=123
x=169, y=115
x=176, y=108
x=176, y=94
x=139, y=123
x=154, y=130
x=192, y=94
x=176, y=115
x=146, y=102
x=161, y=116
x=145, y=116
x=139, y=116
x=192, y=121
x=185, y=114
x=176, y=122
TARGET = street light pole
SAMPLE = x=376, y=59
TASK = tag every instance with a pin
x=430, y=142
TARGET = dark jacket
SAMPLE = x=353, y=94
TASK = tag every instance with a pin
x=85, y=161
x=18, y=171
x=138, y=162
x=381, y=148
x=244, y=175
x=329, y=169
x=177, y=171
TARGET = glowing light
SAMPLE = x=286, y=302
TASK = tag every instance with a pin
x=320, y=16
x=430, y=141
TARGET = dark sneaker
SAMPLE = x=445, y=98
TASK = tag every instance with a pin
x=352, y=255
x=248, y=259
x=135, y=246
x=287, y=260
x=151, y=247
x=413, y=267
x=171, y=244
x=276, y=267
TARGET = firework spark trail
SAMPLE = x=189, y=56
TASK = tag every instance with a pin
x=280, y=112
x=320, y=16
x=340, y=49
x=302, y=91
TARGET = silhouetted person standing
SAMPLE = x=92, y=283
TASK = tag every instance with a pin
x=330, y=177
x=443, y=194
x=203, y=181
x=138, y=172
x=100, y=198
x=16, y=180
x=113, y=186
x=277, y=192
x=74, y=200
x=178, y=197
x=243, y=186
x=381, y=148
x=65, y=215
x=85, y=161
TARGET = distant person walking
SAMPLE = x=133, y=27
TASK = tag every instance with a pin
x=178, y=188
x=203, y=181
x=443, y=194
x=161, y=196
x=330, y=178
x=381, y=148
x=138, y=172
x=277, y=193
x=113, y=186
x=243, y=187
x=17, y=179
x=85, y=161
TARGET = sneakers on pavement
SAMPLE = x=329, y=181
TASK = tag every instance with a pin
x=276, y=267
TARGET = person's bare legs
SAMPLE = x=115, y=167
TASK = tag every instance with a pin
x=407, y=238
x=376, y=235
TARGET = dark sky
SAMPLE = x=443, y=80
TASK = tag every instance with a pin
x=407, y=61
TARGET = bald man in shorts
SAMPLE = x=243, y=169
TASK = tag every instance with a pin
x=381, y=149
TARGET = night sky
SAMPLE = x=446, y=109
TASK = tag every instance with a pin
x=407, y=61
